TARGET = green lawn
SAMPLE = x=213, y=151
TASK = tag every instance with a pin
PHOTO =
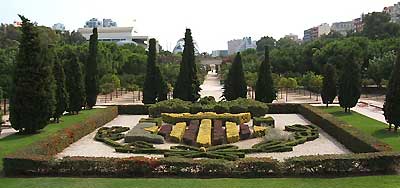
x=367, y=125
x=12, y=143
x=353, y=182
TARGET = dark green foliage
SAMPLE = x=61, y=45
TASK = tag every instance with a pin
x=392, y=101
x=151, y=82
x=265, y=90
x=264, y=121
x=328, y=91
x=91, y=72
x=235, y=84
x=377, y=25
x=133, y=109
x=350, y=84
x=61, y=90
x=74, y=81
x=187, y=86
x=32, y=96
x=226, y=152
x=169, y=106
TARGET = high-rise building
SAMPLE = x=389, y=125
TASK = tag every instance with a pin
x=58, y=27
x=238, y=45
x=316, y=32
x=343, y=27
x=394, y=12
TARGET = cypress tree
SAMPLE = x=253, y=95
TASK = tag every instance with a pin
x=61, y=90
x=150, y=86
x=391, y=106
x=32, y=95
x=162, y=91
x=187, y=86
x=328, y=91
x=91, y=72
x=350, y=84
x=265, y=90
x=235, y=84
x=74, y=81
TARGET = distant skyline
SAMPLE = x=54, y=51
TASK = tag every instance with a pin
x=213, y=22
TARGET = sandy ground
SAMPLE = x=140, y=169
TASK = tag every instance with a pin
x=211, y=86
x=87, y=146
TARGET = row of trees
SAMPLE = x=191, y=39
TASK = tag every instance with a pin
x=41, y=88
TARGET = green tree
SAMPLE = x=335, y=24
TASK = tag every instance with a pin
x=380, y=68
x=187, y=86
x=350, y=84
x=74, y=81
x=235, y=84
x=328, y=91
x=91, y=72
x=377, y=25
x=265, y=41
x=150, y=85
x=391, y=106
x=61, y=90
x=32, y=96
x=265, y=90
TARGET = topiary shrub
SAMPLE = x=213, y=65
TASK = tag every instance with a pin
x=169, y=106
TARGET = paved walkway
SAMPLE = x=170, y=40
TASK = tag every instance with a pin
x=211, y=86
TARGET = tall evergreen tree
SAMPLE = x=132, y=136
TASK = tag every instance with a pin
x=150, y=85
x=91, y=72
x=61, y=90
x=391, y=107
x=162, y=91
x=235, y=84
x=350, y=84
x=187, y=86
x=32, y=95
x=74, y=81
x=328, y=91
x=265, y=90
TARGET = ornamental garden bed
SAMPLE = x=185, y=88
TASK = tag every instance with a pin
x=174, y=158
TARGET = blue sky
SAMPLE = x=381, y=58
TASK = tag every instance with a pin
x=213, y=22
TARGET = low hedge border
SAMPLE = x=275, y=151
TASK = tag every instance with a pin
x=321, y=165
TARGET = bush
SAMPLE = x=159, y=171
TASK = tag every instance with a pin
x=133, y=109
x=138, y=133
x=218, y=136
x=283, y=108
x=165, y=130
x=244, y=132
x=177, y=132
x=169, y=106
x=255, y=108
x=173, y=118
x=158, y=121
x=264, y=121
x=190, y=135
x=204, y=136
x=259, y=131
x=232, y=132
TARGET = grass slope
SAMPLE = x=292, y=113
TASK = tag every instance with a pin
x=367, y=125
x=12, y=143
x=352, y=182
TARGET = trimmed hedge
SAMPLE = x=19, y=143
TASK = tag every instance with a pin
x=244, y=131
x=165, y=130
x=264, y=121
x=133, y=109
x=177, y=132
x=190, y=135
x=232, y=132
x=259, y=131
x=204, y=136
x=349, y=136
x=174, y=118
x=138, y=133
x=218, y=136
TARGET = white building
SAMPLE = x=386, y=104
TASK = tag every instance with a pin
x=119, y=35
x=394, y=12
x=180, y=46
x=58, y=27
x=323, y=29
x=343, y=27
x=238, y=45
x=293, y=37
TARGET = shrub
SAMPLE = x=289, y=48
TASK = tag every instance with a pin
x=169, y=106
x=259, y=131
x=255, y=108
x=165, y=130
x=190, y=135
x=133, y=109
x=218, y=136
x=283, y=108
x=158, y=121
x=232, y=132
x=138, y=133
x=244, y=131
x=264, y=121
x=173, y=118
x=152, y=130
x=177, y=132
x=204, y=136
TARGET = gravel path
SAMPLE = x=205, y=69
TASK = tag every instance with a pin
x=211, y=86
x=325, y=144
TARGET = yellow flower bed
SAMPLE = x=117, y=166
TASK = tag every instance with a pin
x=232, y=132
x=178, y=131
x=152, y=130
x=204, y=135
x=185, y=117
x=259, y=131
